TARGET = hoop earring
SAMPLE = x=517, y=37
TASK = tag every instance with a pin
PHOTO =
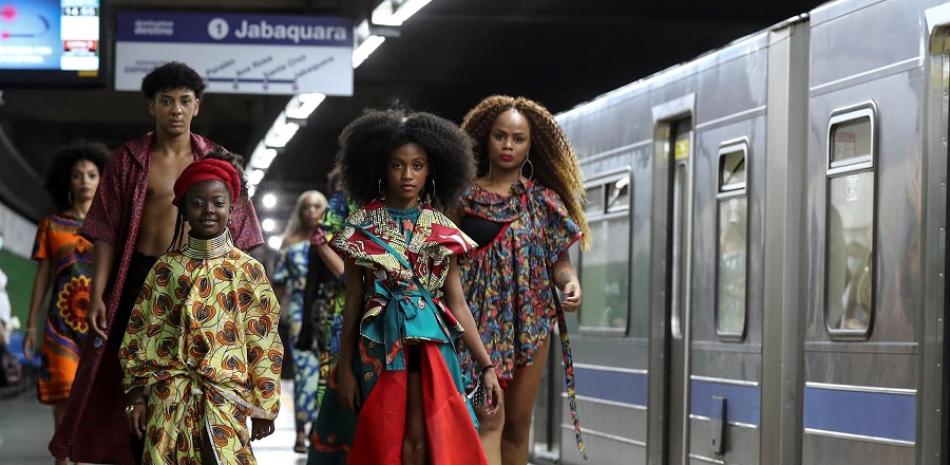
x=431, y=195
x=527, y=161
x=379, y=189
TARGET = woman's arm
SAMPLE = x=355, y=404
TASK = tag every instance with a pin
x=349, y=388
x=41, y=284
x=565, y=278
x=330, y=258
x=455, y=299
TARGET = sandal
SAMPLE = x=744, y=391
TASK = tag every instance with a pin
x=300, y=447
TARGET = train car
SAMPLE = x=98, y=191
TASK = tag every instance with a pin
x=767, y=277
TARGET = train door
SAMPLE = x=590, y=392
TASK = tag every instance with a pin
x=680, y=209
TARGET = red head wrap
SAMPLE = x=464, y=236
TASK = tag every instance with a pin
x=206, y=170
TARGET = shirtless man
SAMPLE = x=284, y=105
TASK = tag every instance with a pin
x=131, y=223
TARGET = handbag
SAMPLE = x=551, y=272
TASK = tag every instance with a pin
x=479, y=393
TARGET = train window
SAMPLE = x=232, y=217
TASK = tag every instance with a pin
x=851, y=138
x=732, y=248
x=595, y=200
x=849, y=260
x=605, y=267
x=618, y=194
x=605, y=275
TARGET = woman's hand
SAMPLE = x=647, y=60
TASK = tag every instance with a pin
x=137, y=419
x=261, y=428
x=572, y=295
x=349, y=389
x=97, y=317
x=494, y=396
x=29, y=343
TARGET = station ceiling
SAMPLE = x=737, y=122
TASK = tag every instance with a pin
x=448, y=56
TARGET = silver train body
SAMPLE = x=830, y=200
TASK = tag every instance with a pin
x=767, y=283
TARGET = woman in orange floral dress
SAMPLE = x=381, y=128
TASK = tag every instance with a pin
x=64, y=261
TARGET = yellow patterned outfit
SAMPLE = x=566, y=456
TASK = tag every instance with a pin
x=203, y=339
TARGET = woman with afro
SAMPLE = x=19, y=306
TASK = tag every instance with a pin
x=64, y=260
x=524, y=210
x=404, y=306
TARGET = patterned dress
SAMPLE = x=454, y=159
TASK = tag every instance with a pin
x=203, y=339
x=509, y=282
x=70, y=258
x=291, y=271
x=331, y=296
x=408, y=254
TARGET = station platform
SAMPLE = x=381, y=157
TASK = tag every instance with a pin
x=24, y=441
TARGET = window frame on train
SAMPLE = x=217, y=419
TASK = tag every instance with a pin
x=598, y=211
x=732, y=193
x=853, y=172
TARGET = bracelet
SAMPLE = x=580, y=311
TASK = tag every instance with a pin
x=486, y=368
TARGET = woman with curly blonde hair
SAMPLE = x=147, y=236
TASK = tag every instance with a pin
x=524, y=211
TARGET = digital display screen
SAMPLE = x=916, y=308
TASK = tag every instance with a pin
x=50, y=36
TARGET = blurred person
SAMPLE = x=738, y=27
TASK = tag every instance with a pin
x=131, y=223
x=290, y=276
x=524, y=209
x=201, y=351
x=64, y=267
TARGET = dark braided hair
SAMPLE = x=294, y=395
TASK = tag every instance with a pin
x=219, y=153
x=368, y=141
x=554, y=162
x=61, y=169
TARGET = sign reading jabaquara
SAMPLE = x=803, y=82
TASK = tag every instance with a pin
x=239, y=53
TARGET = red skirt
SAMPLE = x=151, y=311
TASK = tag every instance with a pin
x=451, y=437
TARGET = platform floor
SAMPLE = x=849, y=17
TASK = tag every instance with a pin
x=26, y=427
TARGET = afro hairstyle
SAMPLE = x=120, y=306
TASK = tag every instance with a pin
x=368, y=141
x=237, y=161
x=172, y=75
x=61, y=168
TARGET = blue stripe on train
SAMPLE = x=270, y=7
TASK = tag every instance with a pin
x=616, y=386
x=877, y=414
x=742, y=402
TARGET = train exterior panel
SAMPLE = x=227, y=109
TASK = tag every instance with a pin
x=766, y=282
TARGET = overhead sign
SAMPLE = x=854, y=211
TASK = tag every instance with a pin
x=239, y=53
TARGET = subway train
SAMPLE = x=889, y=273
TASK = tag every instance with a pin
x=767, y=281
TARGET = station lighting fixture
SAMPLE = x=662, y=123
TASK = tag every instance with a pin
x=255, y=176
x=396, y=12
x=268, y=225
x=301, y=106
x=366, y=43
x=262, y=157
x=269, y=200
x=280, y=132
x=274, y=242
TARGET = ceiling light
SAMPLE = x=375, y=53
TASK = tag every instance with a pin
x=366, y=48
x=262, y=157
x=274, y=242
x=255, y=176
x=268, y=225
x=396, y=12
x=302, y=105
x=269, y=200
x=281, y=132
x=251, y=190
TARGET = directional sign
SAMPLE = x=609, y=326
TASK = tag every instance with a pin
x=239, y=53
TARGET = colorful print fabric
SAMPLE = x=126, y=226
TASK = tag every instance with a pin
x=203, y=338
x=291, y=270
x=509, y=283
x=70, y=258
x=403, y=311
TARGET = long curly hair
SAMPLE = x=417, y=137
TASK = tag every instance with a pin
x=554, y=163
x=368, y=141
x=60, y=170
